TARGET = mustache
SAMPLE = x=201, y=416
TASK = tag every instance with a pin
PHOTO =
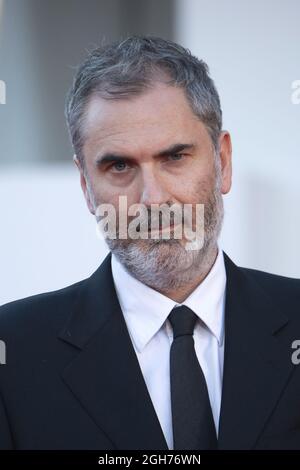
x=159, y=218
x=157, y=221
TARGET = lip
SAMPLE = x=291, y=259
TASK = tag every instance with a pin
x=170, y=228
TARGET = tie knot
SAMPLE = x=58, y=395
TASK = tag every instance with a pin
x=183, y=321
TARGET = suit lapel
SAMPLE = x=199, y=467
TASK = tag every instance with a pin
x=257, y=362
x=105, y=375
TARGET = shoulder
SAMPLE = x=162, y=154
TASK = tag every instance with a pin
x=45, y=315
x=273, y=281
x=282, y=289
x=36, y=311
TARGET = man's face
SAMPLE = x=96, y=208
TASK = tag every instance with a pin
x=152, y=149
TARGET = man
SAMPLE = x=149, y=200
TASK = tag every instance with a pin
x=163, y=347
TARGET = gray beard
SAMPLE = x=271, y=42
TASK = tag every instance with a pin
x=166, y=264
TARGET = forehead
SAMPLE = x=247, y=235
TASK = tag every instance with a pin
x=153, y=119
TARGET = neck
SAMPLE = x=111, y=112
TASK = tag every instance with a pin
x=180, y=294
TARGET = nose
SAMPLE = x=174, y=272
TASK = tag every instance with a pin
x=153, y=190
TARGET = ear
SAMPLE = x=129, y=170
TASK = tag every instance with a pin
x=226, y=164
x=84, y=184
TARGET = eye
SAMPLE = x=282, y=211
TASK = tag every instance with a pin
x=118, y=167
x=176, y=156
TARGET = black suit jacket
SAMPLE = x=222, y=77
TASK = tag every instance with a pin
x=72, y=379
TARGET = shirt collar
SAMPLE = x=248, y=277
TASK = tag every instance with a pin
x=145, y=310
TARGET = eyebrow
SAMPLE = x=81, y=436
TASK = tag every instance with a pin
x=114, y=157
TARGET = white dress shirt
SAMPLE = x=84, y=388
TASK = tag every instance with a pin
x=145, y=311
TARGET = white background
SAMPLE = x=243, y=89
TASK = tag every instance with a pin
x=48, y=238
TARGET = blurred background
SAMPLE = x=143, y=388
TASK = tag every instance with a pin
x=48, y=238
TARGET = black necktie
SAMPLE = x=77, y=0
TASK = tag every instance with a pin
x=193, y=424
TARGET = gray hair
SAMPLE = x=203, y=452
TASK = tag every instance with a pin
x=128, y=67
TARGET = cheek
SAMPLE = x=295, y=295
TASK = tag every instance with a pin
x=198, y=178
x=105, y=193
x=196, y=189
